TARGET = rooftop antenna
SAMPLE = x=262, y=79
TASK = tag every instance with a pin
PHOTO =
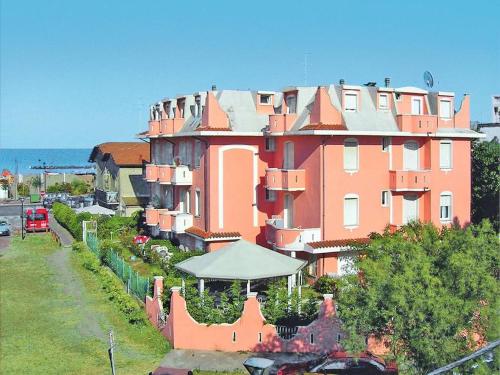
x=428, y=79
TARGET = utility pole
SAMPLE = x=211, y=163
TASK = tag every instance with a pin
x=22, y=218
x=110, y=352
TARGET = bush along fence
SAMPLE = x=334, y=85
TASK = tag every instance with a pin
x=136, y=284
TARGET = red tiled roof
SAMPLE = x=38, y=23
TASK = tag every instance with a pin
x=123, y=153
x=324, y=127
x=6, y=173
x=211, y=235
x=336, y=243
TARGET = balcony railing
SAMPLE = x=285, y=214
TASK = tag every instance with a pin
x=182, y=175
x=153, y=215
x=291, y=239
x=151, y=173
x=410, y=180
x=154, y=128
x=165, y=174
x=286, y=179
x=281, y=123
x=171, y=125
x=181, y=221
x=106, y=197
x=166, y=220
x=417, y=123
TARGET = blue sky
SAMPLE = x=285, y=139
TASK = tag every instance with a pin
x=77, y=73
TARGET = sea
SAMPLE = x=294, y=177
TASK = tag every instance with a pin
x=22, y=159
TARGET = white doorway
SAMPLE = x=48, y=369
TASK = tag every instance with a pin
x=288, y=211
x=410, y=156
x=185, y=201
x=288, y=156
x=416, y=106
x=410, y=208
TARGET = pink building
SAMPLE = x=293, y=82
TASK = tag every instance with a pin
x=305, y=170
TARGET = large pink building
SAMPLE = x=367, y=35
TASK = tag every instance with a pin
x=306, y=169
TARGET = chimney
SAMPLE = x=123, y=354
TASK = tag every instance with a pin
x=341, y=81
x=387, y=82
x=214, y=88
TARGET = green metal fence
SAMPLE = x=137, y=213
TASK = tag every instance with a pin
x=136, y=284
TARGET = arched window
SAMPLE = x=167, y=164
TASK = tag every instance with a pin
x=351, y=155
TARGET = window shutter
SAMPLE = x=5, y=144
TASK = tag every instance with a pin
x=350, y=156
x=444, y=108
x=351, y=102
x=445, y=155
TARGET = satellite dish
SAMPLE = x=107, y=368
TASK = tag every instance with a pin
x=428, y=79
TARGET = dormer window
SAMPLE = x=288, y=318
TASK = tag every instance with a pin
x=445, y=109
x=166, y=109
x=351, y=102
x=265, y=99
x=291, y=104
x=383, y=102
x=181, y=105
x=416, y=106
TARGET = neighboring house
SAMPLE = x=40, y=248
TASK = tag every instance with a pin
x=307, y=170
x=119, y=182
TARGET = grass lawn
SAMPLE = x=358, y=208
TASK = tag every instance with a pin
x=55, y=317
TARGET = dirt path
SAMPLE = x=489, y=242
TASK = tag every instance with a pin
x=71, y=284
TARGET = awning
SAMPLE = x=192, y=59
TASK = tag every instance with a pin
x=241, y=260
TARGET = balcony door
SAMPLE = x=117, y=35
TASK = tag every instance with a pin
x=185, y=201
x=288, y=156
x=288, y=211
x=410, y=208
x=410, y=156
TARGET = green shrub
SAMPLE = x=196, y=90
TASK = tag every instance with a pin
x=327, y=285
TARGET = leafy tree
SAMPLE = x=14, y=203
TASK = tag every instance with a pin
x=23, y=189
x=36, y=182
x=486, y=182
x=79, y=187
x=427, y=290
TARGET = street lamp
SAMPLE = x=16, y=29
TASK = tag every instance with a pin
x=22, y=217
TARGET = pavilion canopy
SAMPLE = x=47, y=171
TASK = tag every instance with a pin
x=241, y=260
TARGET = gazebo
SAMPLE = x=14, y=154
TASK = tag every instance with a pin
x=241, y=260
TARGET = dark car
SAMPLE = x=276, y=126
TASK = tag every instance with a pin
x=4, y=228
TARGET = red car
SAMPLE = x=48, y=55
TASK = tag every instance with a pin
x=37, y=220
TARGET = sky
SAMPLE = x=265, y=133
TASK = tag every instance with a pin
x=78, y=73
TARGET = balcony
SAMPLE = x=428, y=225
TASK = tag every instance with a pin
x=166, y=220
x=410, y=180
x=417, y=123
x=171, y=125
x=181, y=221
x=181, y=175
x=165, y=174
x=153, y=215
x=107, y=198
x=154, y=128
x=286, y=179
x=281, y=123
x=289, y=239
x=151, y=173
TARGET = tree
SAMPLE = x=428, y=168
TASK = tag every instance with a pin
x=486, y=182
x=427, y=290
x=23, y=189
x=36, y=182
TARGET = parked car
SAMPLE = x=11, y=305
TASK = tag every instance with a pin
x=37, y=220
x=4, y=228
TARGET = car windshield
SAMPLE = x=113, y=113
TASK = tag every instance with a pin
x=36, y=217
x=3, y=223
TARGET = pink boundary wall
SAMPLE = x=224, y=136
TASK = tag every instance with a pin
x=249, y=333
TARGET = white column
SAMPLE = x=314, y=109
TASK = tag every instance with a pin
x=201, y=286
x=183, y=286
x=289, y=286
x=293, y=254
x=300, y=291
x=248, y=287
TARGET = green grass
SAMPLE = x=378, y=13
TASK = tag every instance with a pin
x=55, y=317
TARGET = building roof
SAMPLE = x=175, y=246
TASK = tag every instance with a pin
x=338, y=243
x=241, y=260
x=124, y=154
x=198, y=232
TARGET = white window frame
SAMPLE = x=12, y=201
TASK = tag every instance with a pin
x=385, y=198
x=386, y=107
x=450, y=165
x=421, y=107
x=287, y=98
x=197, y=100
x=197, y=203
x=268, y=102
x=448, y=101
x=270, y=195
x=417, y=208
x=450, y=207
x=356, y=96
x=270, y=144
x=356, y=223
x=346, y=141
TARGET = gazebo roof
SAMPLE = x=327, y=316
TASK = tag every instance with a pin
x=241, y=260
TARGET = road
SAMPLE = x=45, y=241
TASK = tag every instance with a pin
x=11, y=213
